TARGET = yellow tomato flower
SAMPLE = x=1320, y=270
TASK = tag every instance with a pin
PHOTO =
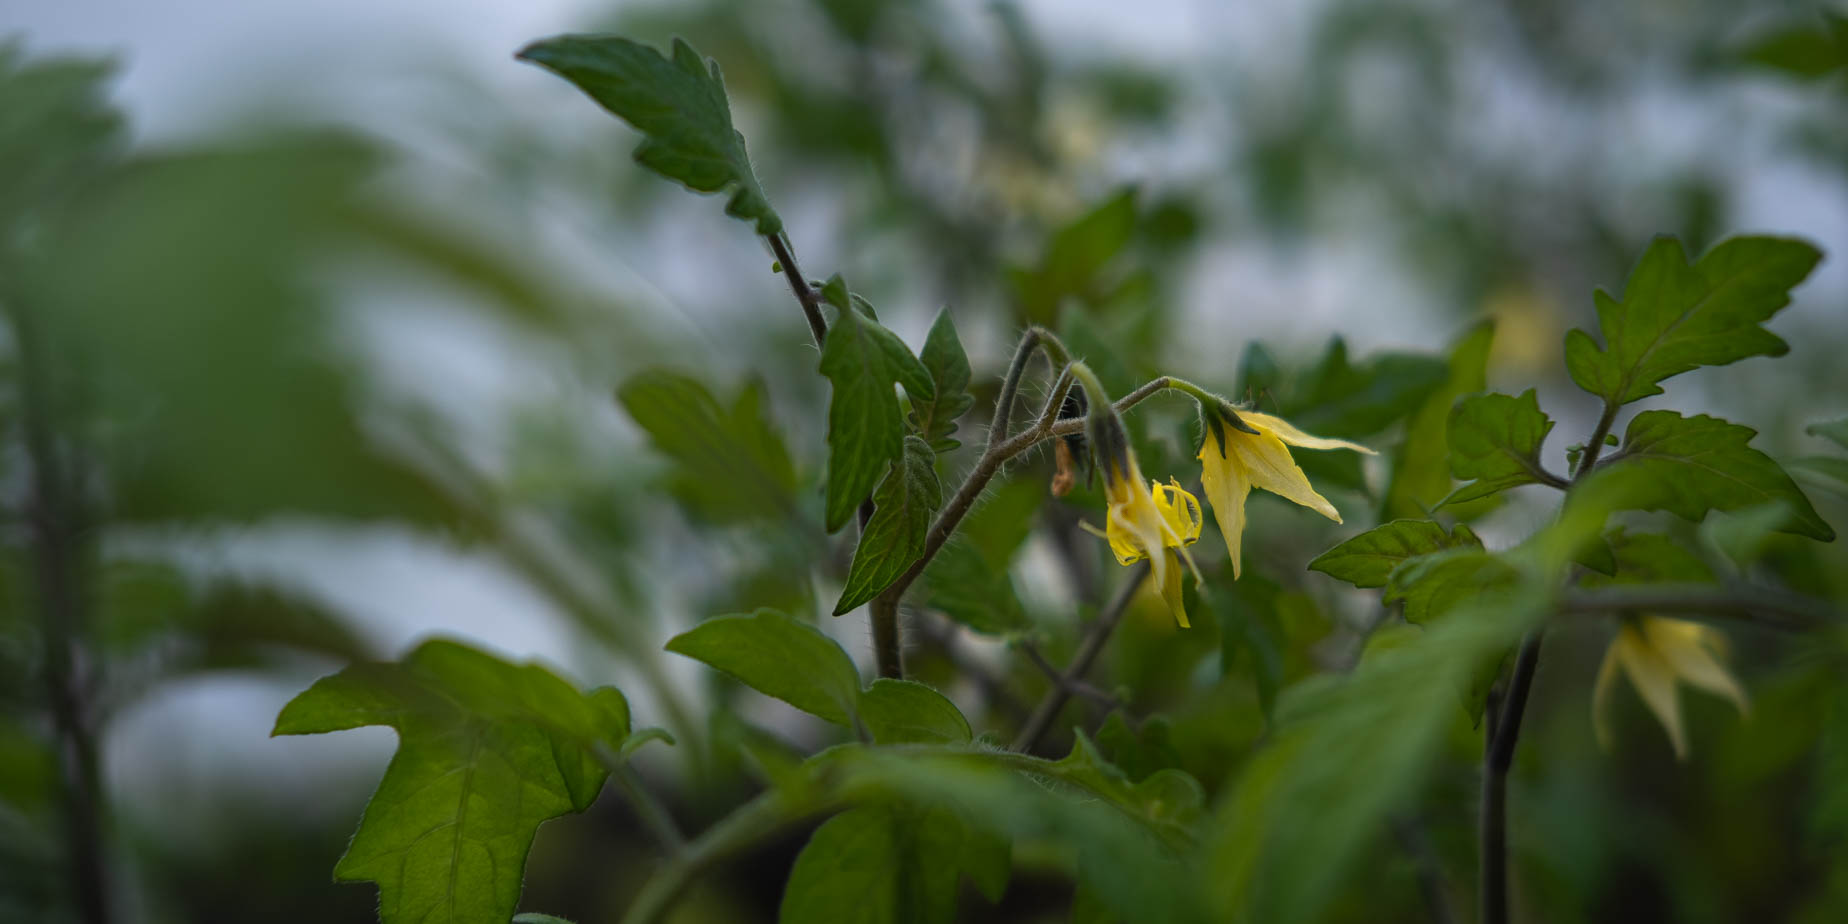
x=1143, y=523
x=1655, y=653
x=1232, y=462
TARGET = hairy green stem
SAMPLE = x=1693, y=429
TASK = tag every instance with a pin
x=888, y=638
x=1088, y=650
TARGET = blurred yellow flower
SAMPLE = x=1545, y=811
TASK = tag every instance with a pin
x=1232, y=462
x=1655, y=653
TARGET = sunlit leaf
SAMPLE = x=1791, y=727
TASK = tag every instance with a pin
x=486, y=752
x=905, y=712
x=778, y=657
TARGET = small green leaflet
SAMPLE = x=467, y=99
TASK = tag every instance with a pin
x=792, y=661
x=486, y=751
x=1690, y=465
x=730, y=463
x=1368, y=559
x=866, y=431
x=780, y=657
x=891, y=864
x=895, y=536
x=1675, y=317
x=943, y=356
x=678, y=104
x=1432, y=585
x=1495, y=440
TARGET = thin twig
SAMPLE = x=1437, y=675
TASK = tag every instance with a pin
x=1594, y=447
x=1010, y=384
x=652, y=813
x=1498, y=757
x=1077, y=688
x=1088, y=650
x=798, y=284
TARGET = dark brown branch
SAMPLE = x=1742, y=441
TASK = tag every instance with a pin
x=1088, y=649
x=798, y=284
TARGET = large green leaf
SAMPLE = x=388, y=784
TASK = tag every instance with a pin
x=56, y=129
x=866, y=432
x=943, y=355
x=1690, y=465
x=1368, y=559
x=678, y=103
x=1676, y=317
x=1432, y=585
x=780, y=657
x=906, y=712
x=730, y=463
x=894, y=537
x=1495, y=440
x=486, y=751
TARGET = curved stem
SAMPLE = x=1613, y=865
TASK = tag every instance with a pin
x=811, y=305
x=1498, y=756
x=1594, y=447
x=1088, y=650
x=652, y=813
x=758, y=819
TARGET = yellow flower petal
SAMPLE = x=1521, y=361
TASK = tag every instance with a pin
x=1226, y=487
x=1268, y=465
x=1281, y=429
x=1171, y=594
x=1654, y=679
x=1689, y=649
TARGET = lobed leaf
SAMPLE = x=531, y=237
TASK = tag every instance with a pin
x=486, y=752
x=730, y=463
x=862, y=360
x=679, y=104
x=1495, y=440
x=894, y=538
x=1690, y=465
x=1676, y=317
x=948, y=365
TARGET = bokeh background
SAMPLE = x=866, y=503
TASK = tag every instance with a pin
x=346, y=297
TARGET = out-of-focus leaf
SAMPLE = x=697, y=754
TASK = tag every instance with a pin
x=1835, y=431
x=1074, y=262
x=885, y=864
x=679, y=104
x=866, y=432
x=1495, y=440
x=178, y=287
x=1420, y=470
x=1745, y=535
x=1677, y=316
x=56, y=130
x=1246, y=614
x=1648, y=558
x=730, y=463
x=962, y=583
x=1828, y=472
x=1690, y=465
x=779, y=657
x=1340, y=398
x=1369, y=558
x=1140, y=751
x=905, y=712
x=1809, y=50
x=943, y=355
x=903, y=508
x=1300, y=815
x=486, y=752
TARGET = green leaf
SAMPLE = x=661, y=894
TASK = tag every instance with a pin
x=1808, y=50
x=730, y=463
x=1836, y=431
x=534, y=917
x=486, y=751
x=866, y=432
x=1676, y=317
x=1368, y=559
x=1432, y=585
x=778, y=657
x=943, y=356
x=1420, y=470
x=678, y=104
x=1744, y=536
x=1652, y=558
x=962, y=583
x=1339, y=398
x=1141, y=751
x=882, y=864
x=1075, y=259
x=1495, y=440
x=1690, y=465
x=905, y=712
x=894, y=538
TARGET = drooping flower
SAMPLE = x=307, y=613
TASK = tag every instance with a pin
x=1246, y=449
x=1656, y=653
x=1144, y=522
